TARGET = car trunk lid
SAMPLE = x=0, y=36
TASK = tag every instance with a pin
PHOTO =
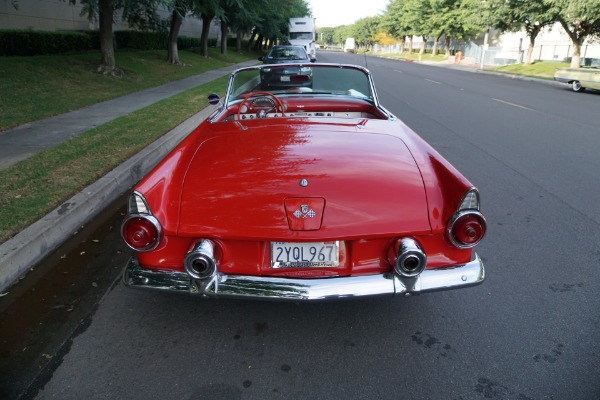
x=250, y=183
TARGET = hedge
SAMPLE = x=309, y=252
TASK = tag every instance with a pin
x=139, y=40
x=30, y=43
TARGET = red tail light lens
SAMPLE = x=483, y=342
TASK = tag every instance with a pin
x=466, y=229
x=142, y=232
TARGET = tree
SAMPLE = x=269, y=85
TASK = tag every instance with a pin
x=327, y=35
x=391, y=21
x=408, y=18
x=580, y=19
x=468, y=18
x=342, y=32
x=273, y=20
x=104, y=10
x=394, y=23
x=143, y=15
x=365, y=30
x=415, y=19
x=180, y=9
x=242, y=21
x=207, y=10
x=439, y=19
x=517, y=15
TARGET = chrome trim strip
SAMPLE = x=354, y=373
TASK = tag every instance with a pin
x=275, y=288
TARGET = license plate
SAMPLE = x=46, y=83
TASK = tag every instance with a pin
x=304, y=255
x=285, y=78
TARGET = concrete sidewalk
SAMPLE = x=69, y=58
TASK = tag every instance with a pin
x=40, y=239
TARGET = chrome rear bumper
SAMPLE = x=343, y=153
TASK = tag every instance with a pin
x=274, y=288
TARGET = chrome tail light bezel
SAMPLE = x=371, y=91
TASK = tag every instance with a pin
x=469, y=208
x=138, y=209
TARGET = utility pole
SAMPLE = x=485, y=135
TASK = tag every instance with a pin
x=485, y=47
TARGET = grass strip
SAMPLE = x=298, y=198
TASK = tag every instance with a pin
x=33, y=187
x=416, y=56
x=539, y=69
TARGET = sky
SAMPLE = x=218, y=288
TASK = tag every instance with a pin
x=332, y=13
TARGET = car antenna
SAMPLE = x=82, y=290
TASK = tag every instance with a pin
x=366, y=64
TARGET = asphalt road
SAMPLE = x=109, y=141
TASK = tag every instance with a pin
x=531, y=331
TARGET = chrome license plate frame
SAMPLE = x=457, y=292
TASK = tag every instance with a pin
x=305, y=254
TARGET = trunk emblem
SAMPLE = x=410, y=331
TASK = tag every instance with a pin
x=304, y=213
x=303, y=182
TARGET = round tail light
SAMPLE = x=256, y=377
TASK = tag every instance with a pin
x=466, y=229
x=142, y=232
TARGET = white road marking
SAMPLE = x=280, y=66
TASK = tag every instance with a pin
x=513, y=104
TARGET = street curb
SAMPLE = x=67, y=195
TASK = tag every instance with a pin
x=37, y=241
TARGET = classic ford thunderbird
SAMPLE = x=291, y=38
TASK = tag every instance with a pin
x=303, y=193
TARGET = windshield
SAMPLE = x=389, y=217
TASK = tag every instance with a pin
x=302, y=79
x=301, y=36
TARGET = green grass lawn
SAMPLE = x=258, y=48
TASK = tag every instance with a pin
x=539, y=69
x=33, y=88
x=415, y=56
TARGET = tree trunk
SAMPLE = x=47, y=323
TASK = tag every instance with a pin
x=434, y=51
x=106, y=37
x=410, y=44
x=258, y=44
x=224, y=31
x=206, y=19
x=532, y=32
x=238, y=41
x=576, y=60
x=423, y=44
x=577, y=40
x=251, y=40
x=447, y=46
x=532, y=37
x=173, y=51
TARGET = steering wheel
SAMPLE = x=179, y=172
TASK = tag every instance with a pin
x=276, y=101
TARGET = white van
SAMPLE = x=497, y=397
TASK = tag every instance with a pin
x=350, y=45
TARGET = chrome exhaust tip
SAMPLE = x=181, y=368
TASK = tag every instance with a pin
x=411, y=260
x=200, y=262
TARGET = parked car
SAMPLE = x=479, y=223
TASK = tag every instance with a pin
x=579, y=78
x=286, y=54
x=297, y=74
x=303, y=194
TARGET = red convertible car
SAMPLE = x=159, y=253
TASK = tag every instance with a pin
x=303, y=194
